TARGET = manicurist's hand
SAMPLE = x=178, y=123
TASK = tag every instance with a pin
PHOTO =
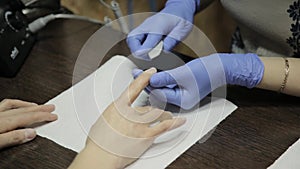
x=172, y=24
x=123, y=133
x=186, y=85
x=16, y=116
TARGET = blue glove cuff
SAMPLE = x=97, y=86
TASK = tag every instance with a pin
x=242, y=69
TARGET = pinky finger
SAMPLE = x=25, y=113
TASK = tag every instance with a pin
x=16, y=137
x=165, y=126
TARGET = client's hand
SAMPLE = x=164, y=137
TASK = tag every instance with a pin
x=16, y=115
x=122, y=133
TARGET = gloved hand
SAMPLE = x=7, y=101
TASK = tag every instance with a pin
x=198, y=78
x=175, y=21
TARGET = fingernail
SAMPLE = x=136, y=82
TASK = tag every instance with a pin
x=35, y=104
x=53, y=117
x=182, y=120
x=29, y=134
x=151, y=70
x=50, y=107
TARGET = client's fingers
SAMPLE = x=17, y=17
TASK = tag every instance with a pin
x=30, y=109
x=135, y=88
x=150, y=117
x=143, y=110
x=22, y=120
x=165, y=126
x=16, y=137
x=163, y=79
x=8, y=104
x=163, y=116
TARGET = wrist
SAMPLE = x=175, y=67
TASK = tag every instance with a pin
x=242, y=69
x=93, y=156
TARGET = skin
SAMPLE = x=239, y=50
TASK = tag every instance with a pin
x=136, y=127
x=275, y=72
x=15, y=118
x=93, y=156
x=134, y=132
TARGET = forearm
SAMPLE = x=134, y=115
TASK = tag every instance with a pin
x=93, y=157
x=274, y=75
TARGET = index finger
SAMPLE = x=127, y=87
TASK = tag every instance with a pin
x=137, y=86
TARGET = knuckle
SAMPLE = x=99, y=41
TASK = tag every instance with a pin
x=17, y=137
x=164, y=126
x=43, y=108
x=147, y=134
x=31, y=117
x=5, y=123
x=7, y=101
x=38, y=115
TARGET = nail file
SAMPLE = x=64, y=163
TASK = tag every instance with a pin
x=156, y=50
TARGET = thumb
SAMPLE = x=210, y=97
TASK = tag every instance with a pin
x=162, y=79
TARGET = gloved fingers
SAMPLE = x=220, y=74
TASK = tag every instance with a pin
x=177, y=96
x=174, y=95
x=135, y=42
x=162, y=79
x=182, y=29
x=153, y=29
x=148, y=89
x=169, y=43
x=136, y=72
x=168, y=95
x=151, y=40
x=177, y=34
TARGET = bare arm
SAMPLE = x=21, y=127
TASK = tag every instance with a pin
x=274, y=75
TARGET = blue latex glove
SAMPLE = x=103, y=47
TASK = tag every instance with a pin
x=198, y=78
x=175, y=21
